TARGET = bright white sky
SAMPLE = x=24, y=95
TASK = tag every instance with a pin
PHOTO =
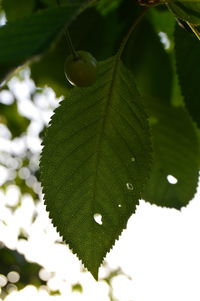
x=159, y=251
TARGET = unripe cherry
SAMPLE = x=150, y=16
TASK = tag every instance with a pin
x=82, y=70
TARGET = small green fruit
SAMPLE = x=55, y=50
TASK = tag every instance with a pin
x=81, y=71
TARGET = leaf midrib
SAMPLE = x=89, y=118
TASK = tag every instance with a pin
x=103, y=124
x=99, y=143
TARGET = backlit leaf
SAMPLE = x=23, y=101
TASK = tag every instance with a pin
x=187, y=49
x=174, y=174
x=95, y=162
x=149, y=62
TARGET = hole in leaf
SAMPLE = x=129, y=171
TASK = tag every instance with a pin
x=129, y=186
x=119, y=205
x=98, y=218
x=171, y=179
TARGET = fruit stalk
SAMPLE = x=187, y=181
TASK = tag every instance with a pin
x=69, y=41
x=70, y=44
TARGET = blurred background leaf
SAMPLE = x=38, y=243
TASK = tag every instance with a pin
x=150, y=63
x=10, y=116
x=18, y=9
x=176, y=156
x=23, y=40
x=187, y=49
x=26, y=272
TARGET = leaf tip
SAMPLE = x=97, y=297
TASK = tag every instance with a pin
x=95, y=274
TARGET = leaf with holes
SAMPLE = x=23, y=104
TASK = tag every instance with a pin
x=174, y=175
x=95, y=161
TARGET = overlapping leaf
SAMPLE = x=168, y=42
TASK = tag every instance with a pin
x=187, y=49
x=29, y=37
x=18, y=9
x=149, y=62
x=174, y=175
x=95, y=161
x=187, y=10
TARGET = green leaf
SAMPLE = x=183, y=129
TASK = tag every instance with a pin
x=187, y=49
x=188, y=10
x=95, y=160
x=18, y=9
x=105, y=6
x=163, y=21
x=30, y=37
x=176, y=153
x=146, y=58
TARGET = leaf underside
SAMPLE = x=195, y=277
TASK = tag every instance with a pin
x=176, y=153
x=95, y=160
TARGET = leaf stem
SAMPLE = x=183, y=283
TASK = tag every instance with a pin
x=69, y=41
x=70, y=44
x=126, y=38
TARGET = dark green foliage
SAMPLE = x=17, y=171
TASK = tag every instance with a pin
x=186, y=10
x=9, y=116
x=27, y=38
x=11, y=260
x=146, y=58
x=187, y=49
x=18, y=9
x=176, y=153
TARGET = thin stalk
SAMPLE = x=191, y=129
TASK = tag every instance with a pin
x=70, y=44
x=69, y=41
